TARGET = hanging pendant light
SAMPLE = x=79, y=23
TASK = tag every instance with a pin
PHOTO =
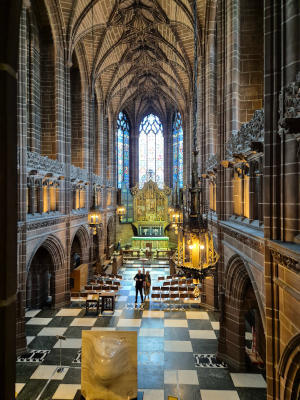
x=202, y=254
x=94, y=216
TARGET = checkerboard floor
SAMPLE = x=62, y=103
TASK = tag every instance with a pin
x=176, y=350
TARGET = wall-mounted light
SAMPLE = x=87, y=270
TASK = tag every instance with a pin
x=94, y=219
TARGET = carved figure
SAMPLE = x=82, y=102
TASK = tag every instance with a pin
x=109, y=365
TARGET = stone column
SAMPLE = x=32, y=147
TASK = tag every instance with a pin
x=9, y=28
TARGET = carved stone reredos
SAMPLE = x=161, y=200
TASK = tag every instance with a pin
x=251, y=132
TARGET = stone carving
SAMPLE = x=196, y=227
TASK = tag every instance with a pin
x=109, y=365
x=289, y=110
x=285, y=261
x=211, y=163
x=248, y=137
x=97, y=180
x=45, y=223
x=80, y=174
x=37, y=162
x=254, y=244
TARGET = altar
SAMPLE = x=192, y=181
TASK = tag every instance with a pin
x=150, y=210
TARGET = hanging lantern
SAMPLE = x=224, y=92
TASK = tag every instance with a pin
x=94, y=219
x=121, y=211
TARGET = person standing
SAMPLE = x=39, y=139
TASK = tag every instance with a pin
x=147, y=285
x=139, y=283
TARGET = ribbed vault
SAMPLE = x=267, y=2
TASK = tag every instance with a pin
x=137, y=51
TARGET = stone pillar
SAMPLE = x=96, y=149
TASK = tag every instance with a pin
x=9, y=28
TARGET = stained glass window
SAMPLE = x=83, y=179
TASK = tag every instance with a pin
x=177, y=151
x=123, y=149
x=151, y=151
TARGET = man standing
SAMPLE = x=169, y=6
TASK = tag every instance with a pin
x=139, y=282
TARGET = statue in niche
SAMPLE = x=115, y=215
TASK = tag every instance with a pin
x=109, y=365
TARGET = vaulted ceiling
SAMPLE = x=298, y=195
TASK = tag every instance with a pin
x=141, y=52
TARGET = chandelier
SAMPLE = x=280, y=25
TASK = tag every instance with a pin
x=196, y=249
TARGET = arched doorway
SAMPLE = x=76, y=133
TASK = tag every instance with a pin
x=242, y=339
x=40, y=284
x=76, y=253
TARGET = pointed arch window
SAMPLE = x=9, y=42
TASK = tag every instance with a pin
x=177, y=151
x=151, y=151
x=123, y=149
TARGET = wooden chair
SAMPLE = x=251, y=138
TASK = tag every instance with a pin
x=156, y=288
x=167, y=283
x=165, y=298
x=161, y=278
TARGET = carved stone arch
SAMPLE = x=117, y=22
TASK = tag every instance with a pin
x=240, y=298
x=55, y=248
x=84, y=239
x=289, y=370
x=46, y=274
x=238, y=273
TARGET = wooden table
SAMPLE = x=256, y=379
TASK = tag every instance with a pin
x=92, y=299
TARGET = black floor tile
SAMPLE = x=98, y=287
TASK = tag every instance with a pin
x=43, y=342
x=179, y=361
x=24, y=371
x=214, y=379
x=73, y=376
x=150, y=344
x=67, y=357
x=204, y=346
x=150, y=378
x=33, y=330
x=32, y=389
x=50, y=390
x=60, y=321
x=251, y=394
x=76, y=331
x=151, y=358
x=177, y=334
x=199, y=324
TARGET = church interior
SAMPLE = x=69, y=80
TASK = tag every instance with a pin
x=160, y=136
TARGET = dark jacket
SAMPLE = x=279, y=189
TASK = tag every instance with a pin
x=139, y=280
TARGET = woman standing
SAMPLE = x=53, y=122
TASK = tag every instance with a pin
x=147, y=285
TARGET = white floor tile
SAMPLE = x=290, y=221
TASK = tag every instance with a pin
x=196, y=315
x=175, y=323
x=66, y=392
x=129, y=323
x=170, y=377
x=153, y=314
x=49, y=372
x=52, y=331
x=29, y=339
x=215, y=325
x=179, y=346
x=32, y=313
x=126, y=287
x=219, y=395
x=153, y=394
x=202, y=334
x=248, y=380
x=122, y=298
x=151, y=332
x=69, y=343
x=19, y=387
x=68, y=312
x=188, y=377
x=39, y=321
x=83, y=322
x=101, y=328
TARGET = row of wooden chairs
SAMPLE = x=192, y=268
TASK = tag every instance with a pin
x=107, y=276
x=169, y=280
x=97, y=288
x=104, y=282
x=167, y=296
x=173, y=288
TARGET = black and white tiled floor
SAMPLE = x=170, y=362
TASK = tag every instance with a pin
x=176, y=351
